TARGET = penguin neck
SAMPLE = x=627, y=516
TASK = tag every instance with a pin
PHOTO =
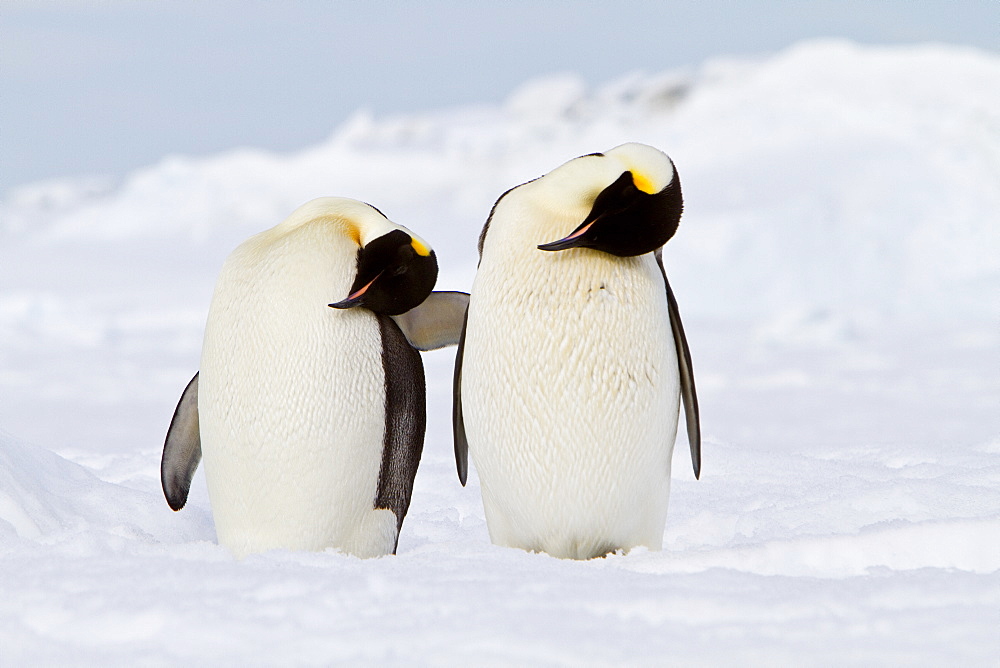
x=313, y=256
x=569, y=191
x=534, y=217
x=339, y=225
x=517, y=268
x=357, y=221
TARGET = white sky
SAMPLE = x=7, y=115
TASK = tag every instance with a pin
x=92, y=87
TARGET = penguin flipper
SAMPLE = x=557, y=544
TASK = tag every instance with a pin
x=182, y=448
x=457, y=419
x=686, y=372
x=436, y=322
x=405, y=421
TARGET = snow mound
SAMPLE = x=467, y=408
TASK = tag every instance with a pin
x=831, y=176
x=47, y=498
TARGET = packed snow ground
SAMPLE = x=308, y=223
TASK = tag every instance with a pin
x=838, y=267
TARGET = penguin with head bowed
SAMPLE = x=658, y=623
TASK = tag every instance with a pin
x=310, y=419
x=572, y=360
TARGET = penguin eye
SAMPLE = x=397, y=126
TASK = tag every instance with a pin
x=401, y=263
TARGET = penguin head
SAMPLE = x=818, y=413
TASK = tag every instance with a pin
x=396, y=272
x=634, y=195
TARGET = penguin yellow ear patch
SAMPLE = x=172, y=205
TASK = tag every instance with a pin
x=343, y=225
x=643, y=183
x=352, y=231
x=420, y=247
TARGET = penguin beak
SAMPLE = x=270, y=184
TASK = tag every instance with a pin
x=572, y=241
x=356, y=298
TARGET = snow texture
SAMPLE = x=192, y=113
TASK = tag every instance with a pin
x=838, y=267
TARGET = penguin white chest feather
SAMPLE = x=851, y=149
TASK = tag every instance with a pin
x=292, y=399
x=570, y=391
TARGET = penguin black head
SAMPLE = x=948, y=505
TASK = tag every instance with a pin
x=638, y=210
x=396, y=272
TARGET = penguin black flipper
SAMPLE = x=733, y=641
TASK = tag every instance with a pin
x=182, y=448
x=405, y=420
x=686, y=372
x=457, y=419
x=436, y=322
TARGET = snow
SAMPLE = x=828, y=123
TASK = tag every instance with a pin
x=838, y=267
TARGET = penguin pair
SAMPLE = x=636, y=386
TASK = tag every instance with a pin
x=570, y=368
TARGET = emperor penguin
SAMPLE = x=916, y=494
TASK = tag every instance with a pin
x=572, y=361
x=310, y=418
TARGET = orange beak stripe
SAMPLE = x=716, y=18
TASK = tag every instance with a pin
x=363, y=289
x=581, y=231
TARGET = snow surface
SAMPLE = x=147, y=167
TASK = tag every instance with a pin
x=838, y=267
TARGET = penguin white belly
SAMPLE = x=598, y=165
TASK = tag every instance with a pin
x=291, y=401
x=570, y=391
